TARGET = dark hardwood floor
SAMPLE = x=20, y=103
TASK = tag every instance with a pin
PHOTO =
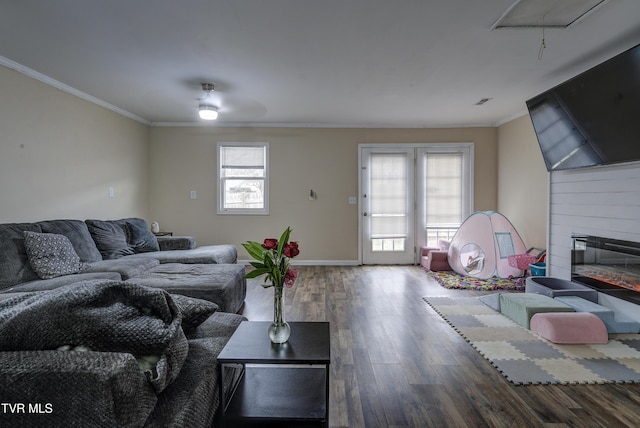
x=396, y=363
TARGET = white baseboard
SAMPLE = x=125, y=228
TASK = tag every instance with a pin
x=314, y=262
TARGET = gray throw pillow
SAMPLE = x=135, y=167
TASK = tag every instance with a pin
x=78, y=234
x=140, y=237
x=110, y=237
x=51, y=255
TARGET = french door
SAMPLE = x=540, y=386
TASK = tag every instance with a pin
x=387, y=205
x=406, y=191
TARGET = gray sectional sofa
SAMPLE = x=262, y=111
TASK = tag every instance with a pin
x=33, y=258
x=103, y=324
x=111, y=354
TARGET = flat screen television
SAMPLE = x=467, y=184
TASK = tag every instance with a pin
x=593, y=118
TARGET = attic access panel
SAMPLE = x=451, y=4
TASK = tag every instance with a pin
x=546, y=13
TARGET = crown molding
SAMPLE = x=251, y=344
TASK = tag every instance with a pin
x=219, y=124
x=68, y=89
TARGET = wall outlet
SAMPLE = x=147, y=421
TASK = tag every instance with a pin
x=353, y=200
x=112, y=192
x=194, y=195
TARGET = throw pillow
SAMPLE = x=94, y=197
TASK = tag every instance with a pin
x=78, y=234
x=443, y=245
x=194, y=311
x=14, y=262
x=140, y=237
x=110, y=238
x=51, y=255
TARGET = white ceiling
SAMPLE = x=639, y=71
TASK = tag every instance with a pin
x=386, y=63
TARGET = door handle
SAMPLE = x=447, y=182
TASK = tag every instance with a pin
x=364, y=214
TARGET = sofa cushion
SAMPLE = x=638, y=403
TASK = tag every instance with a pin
x=110, y=238
x=14, y=263
x=140, y=238
x=78, y=234
x=117, y=238
x=224, y=285
x=207, y=254
x=51, y=255
x=60, y=281
x=125, y=267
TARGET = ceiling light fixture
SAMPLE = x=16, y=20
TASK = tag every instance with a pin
x=206, y=109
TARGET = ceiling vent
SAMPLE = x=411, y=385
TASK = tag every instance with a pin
x=546, y=13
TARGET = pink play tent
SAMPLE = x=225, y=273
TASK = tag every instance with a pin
x=482, y=245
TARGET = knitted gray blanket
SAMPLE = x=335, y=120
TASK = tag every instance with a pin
x=109, y=316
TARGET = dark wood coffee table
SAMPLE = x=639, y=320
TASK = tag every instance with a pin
x=268, y=383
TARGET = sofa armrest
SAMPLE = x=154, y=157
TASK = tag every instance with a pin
x=168, y=243
x=69, y=388
x=424, y=251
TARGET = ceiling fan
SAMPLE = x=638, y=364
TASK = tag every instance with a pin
x=206, y=108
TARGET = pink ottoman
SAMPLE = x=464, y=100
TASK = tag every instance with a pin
x=569, y=327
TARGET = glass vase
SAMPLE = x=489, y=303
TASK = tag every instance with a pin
x=279, y=330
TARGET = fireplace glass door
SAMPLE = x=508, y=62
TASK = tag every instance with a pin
x=608, y=265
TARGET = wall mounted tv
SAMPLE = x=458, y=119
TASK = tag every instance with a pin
x=592, y=119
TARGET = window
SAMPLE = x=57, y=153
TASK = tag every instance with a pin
x=446, y=190
x=505, y=244
x=389, y=197
x=243, y=179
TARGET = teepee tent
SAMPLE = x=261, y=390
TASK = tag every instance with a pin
x=482, y=245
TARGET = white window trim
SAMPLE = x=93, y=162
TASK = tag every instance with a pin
x=242, y=211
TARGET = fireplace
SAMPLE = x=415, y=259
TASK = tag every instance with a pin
x=610, y=266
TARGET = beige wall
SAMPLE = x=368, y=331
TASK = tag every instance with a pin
x=301, y=159
x=523, y=181
x=60, y=154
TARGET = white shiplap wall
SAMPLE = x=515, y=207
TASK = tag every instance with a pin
x=598, y=201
